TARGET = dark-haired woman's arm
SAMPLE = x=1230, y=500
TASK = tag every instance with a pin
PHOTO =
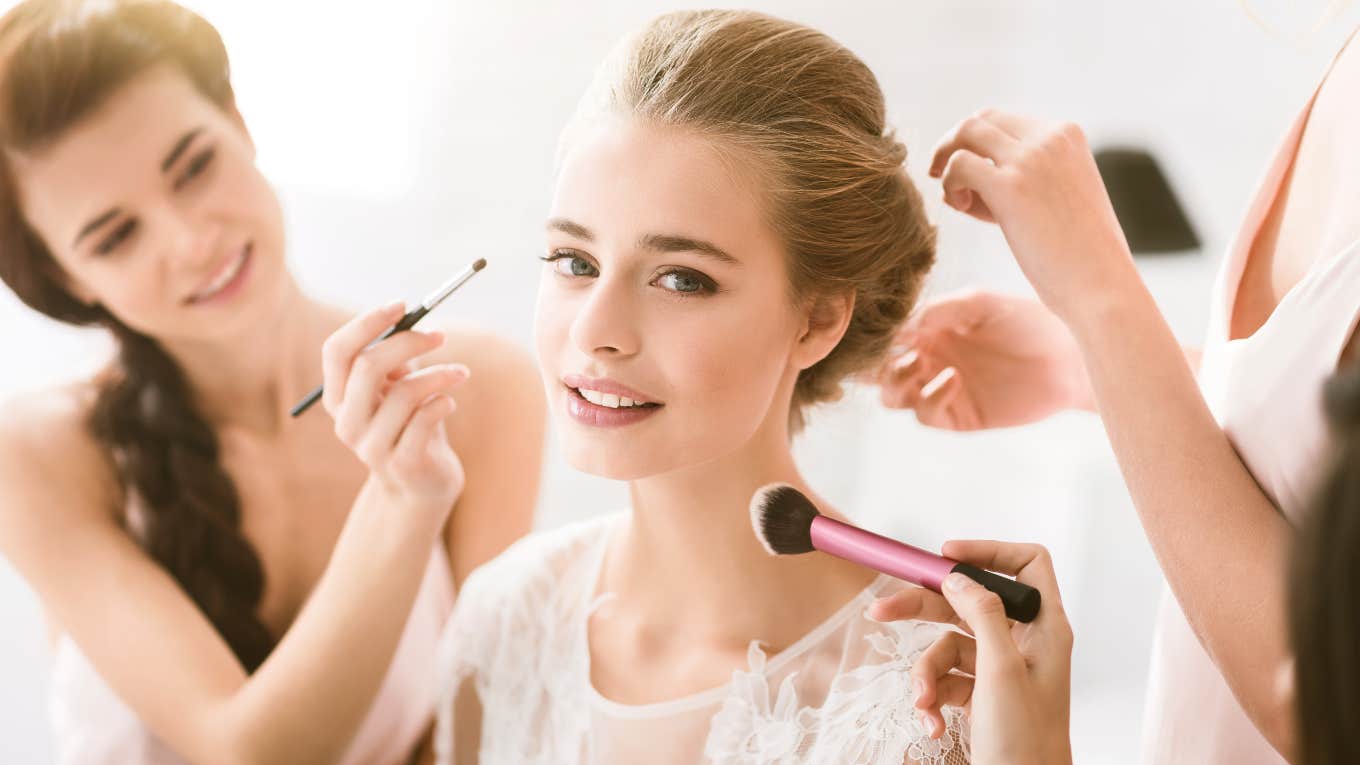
x=60, y=525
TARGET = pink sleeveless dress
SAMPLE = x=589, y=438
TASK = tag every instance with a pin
x=92, y=726
x=1265, y=390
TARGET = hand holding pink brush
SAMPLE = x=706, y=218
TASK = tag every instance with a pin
x=787, y=523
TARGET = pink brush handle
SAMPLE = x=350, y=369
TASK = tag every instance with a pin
x=880, y=553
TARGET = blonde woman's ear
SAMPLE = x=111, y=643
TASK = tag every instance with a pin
x=828, y=318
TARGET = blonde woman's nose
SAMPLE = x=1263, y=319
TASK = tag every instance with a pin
x=605, y=325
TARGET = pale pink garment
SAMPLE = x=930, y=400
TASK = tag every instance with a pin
x=92, y=725
x=1265, y=390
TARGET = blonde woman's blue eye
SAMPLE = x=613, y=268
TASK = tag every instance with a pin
x=686, y=282
x=567, y=264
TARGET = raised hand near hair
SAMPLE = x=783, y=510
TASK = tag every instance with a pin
x=977, y=360
x=1014, y=679
x=390, y=416
x=1039, y=182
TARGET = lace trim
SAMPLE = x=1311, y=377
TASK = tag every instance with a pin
x=866, y=718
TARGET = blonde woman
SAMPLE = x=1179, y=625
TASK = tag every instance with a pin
x=733, y=235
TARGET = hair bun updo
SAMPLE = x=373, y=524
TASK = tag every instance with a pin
x=811, y=117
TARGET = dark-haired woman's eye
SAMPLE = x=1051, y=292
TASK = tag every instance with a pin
x=686, y=282
x=119, y=235
x=196, y=167
x=570, y=264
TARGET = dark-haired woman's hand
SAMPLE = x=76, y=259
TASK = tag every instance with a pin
x=393, y=417
x=976, y=360
x=1014, y=679
x=1039, y=182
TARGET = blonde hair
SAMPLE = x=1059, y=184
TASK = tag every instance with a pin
x=809, y=116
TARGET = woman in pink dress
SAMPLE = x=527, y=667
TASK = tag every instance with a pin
x=1219, y=448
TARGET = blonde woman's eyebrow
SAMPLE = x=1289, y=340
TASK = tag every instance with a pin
x=677, y=243
x=658, y=243
x=570, y=228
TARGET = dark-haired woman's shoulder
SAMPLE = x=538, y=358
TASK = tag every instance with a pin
x=58, y=492
x=498, y=431
x=47, y=451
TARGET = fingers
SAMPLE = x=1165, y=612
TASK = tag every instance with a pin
x=422, y=428
x=370, y=376
x=1029, y=563
x=941, y=403
x=902, y=379
x=950, y=691
x=952, y=651
x=953, y=691
x=936, y=680
x=399, y=406
x=1018, y=126
x=978, y=136
x=914, y=603
x=960, y=312
x=340, y=349
x=967, y=179
x=985, y=615
x=376, y=368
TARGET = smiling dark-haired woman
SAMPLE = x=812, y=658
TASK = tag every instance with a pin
x=224, y=584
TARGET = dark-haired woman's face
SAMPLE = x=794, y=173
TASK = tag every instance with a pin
x=154, y=209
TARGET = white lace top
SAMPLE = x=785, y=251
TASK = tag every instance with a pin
x=518, y=638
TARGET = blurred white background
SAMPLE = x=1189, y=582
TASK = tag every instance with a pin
x=411, y=136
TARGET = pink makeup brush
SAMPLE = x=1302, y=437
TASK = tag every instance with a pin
x=787, y=523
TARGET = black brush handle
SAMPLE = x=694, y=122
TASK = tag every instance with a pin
x=407, y=321
x=1021, y=600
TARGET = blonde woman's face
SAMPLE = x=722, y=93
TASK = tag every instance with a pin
x=665, y=331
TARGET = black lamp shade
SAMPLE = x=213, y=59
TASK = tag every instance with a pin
x=1152, y=218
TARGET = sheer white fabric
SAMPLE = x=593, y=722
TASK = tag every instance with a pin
x=518, y=638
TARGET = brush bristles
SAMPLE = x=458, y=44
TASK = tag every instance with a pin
x=782, y=518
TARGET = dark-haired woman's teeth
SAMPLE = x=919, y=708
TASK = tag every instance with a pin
x=223, y=279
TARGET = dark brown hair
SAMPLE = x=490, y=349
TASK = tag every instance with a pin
x=811, y=116
x=1324, y=594
x=59, y=61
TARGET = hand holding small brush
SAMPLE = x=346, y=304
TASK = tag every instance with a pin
x=786, y=522
x=1013, y=678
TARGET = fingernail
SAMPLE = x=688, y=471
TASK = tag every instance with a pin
x=907, y=359
x=957, y=582
x=919, y=688
x=871, y=612
x=933, y=387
